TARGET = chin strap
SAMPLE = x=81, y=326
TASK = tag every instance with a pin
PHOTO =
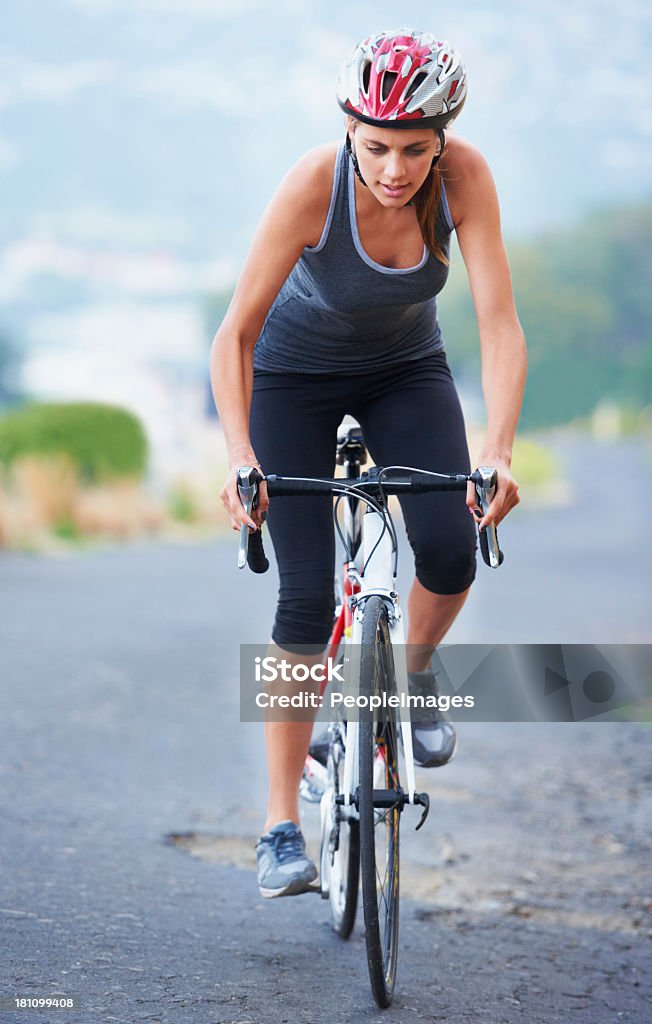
x=356, y=166
x=354, y=160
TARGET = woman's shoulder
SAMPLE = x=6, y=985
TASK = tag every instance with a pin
x=461, y=160
x=310, y=179
x=464, y=168
x=308, y=186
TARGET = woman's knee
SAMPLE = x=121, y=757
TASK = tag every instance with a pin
x=446, y=568
x=305, y=619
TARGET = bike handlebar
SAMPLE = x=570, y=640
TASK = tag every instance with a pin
x=370, y=484
x=375, y=483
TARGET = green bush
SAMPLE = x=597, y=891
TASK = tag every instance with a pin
x=66, y=529
x=104, y=442
x=532, y=463
x=182, y=505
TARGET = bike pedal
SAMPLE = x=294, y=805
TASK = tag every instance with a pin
x=319, y=748
x=313, y=781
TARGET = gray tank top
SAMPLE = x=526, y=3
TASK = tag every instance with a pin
x=341, y=312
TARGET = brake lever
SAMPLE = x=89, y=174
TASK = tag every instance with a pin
x=248, y=477
x=485, y=479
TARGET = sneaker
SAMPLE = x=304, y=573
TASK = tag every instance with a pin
x=283, y=867
x=433, y=736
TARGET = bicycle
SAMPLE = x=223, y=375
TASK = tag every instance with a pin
x=362, y=798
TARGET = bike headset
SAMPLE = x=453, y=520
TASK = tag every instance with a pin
x=402, y=79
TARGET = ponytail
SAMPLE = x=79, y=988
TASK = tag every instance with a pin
x=426, y=203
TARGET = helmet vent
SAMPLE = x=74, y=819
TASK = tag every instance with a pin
x=452, y=89
x=366, y=74
x=388, y=81
x=415, y=83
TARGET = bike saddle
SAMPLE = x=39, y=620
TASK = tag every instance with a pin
x=350, y=442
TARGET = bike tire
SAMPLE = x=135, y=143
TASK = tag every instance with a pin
x=340, y=838
x=344, y=860
x=379, y=828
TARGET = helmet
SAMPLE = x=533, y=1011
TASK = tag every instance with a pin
x=403, y=79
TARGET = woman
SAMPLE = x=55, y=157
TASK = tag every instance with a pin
x=335, y=313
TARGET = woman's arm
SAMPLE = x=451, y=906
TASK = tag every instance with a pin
x=293, y=219
x=502, y=342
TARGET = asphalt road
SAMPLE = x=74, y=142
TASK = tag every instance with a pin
x=130, y=792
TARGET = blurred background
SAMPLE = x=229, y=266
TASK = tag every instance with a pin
x=139, y=143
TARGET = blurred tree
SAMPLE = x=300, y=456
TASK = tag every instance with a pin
x=585, y=302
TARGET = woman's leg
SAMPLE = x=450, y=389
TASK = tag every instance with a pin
x=430, y=616
x=287, y=744
x=413, y=418
x=294, y=420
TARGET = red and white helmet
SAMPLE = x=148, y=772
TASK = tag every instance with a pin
x=404, y=77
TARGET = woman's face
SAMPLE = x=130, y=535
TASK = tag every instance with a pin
x=394, y=162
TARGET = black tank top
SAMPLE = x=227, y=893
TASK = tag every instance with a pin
x=341, y=312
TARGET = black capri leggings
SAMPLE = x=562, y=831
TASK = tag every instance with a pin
x=410, y=415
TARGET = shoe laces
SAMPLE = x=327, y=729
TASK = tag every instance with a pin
x=423, y=685
x=288, y=846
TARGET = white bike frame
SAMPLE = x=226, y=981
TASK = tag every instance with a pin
x=377, y=580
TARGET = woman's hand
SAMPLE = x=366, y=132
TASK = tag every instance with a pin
x=505, y=498
x=243, y=456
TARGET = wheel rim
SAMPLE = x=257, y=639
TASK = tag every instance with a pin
x=379, y=825
x=386, y=845
x=341, y=864
x=338, y=858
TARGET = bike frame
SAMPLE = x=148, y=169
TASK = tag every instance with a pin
x=369, y=537
x=375, y=555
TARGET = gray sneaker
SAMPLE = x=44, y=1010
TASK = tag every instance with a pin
x=433, y=736
x=283, y=867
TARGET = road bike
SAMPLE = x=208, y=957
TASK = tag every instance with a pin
x=364, y=775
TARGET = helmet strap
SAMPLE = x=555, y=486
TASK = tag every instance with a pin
x=442, y=143
x=354, y=159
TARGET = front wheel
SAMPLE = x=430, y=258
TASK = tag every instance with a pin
x=379, y=812
x=340, y=850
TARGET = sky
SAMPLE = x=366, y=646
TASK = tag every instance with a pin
x=134, y=121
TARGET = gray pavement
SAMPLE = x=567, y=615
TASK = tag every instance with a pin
x=130, y=792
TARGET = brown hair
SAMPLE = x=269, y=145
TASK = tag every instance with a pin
x=426, y=203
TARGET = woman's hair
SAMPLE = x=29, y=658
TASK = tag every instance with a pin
x=426, y=203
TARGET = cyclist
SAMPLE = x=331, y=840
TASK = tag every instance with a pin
x=335, y=312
